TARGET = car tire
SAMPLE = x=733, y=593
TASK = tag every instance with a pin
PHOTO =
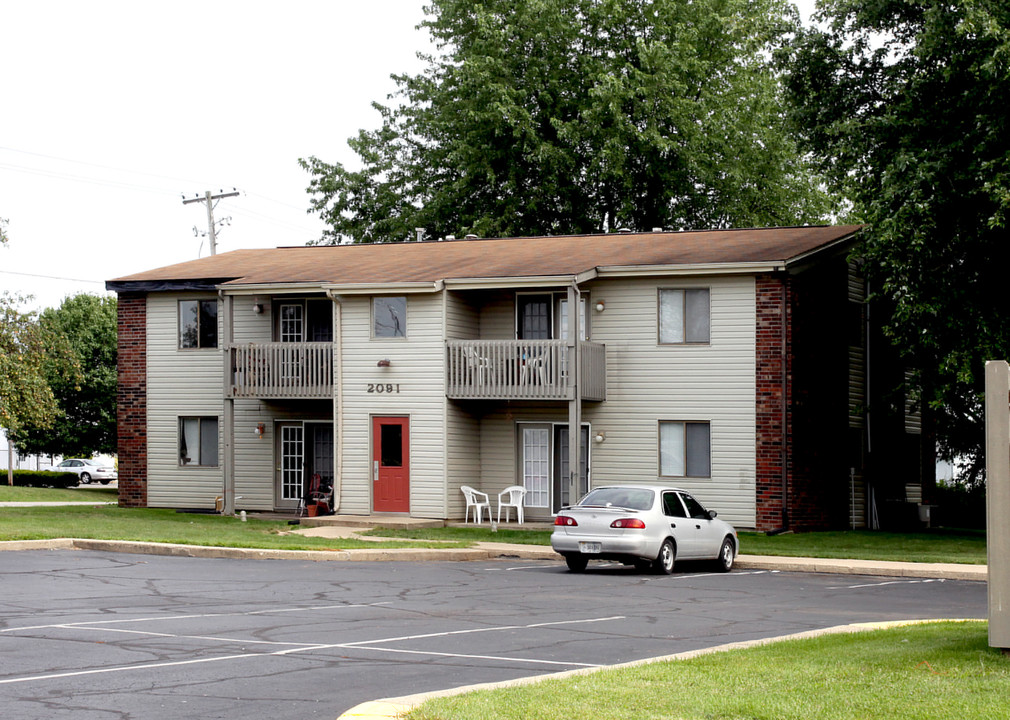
x=664, y=562
x=576, y=563
x=727, y=554
x=85, y=478
x=106, y=482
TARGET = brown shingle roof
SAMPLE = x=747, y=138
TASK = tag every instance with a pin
x=498, y=257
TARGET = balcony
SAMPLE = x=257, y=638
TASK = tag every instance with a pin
x=281, y=370
x=521, y=370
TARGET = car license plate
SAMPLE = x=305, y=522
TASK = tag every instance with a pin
x=590, y=548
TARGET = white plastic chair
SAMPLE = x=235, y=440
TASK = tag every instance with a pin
x=478, y=365
x=512, y=497
x=478, y=501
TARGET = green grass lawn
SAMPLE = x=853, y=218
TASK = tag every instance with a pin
x=951, y=546
x=115, y=523
x=936, y=671
x=96, y=493
x=169, y=526
x=940, y=545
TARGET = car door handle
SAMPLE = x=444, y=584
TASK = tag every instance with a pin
x=697, y=527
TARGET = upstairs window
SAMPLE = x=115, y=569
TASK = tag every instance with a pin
x=684, y=316
x=389, y=317
x=198, y=323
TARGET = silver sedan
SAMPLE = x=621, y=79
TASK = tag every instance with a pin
x=643, y=526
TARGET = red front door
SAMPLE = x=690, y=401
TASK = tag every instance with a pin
x=390, y=464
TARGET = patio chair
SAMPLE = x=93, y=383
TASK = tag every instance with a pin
x=478, y=501
x=320, y=494
x=512, y=497
x=478, y=366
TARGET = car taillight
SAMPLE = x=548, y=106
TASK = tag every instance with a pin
x=565, y=520
x=628, y=523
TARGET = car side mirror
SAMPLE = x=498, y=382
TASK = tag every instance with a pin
x=712, y=514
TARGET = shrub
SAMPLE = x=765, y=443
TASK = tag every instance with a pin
x=45, y=478
x=959, y=506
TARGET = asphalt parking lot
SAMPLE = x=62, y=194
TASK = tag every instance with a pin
x=95, y=635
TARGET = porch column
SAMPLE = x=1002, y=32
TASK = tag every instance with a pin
x=574, y=392
x=228, y=421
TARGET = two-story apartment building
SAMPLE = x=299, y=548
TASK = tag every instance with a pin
x=731, y=363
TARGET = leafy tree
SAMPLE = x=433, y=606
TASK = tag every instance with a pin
x=907, y=108
x=558, y=116
x=29, y=354
x=87, y=421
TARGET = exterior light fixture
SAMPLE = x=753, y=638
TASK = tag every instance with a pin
x=599, y=437
x=257, y=306
x=383, y=363
x=600, y=306
x=260, y=429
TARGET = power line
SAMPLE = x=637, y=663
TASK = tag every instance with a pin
x=51, y=277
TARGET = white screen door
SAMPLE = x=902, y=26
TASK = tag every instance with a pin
x=292, y=462
x=536, y=460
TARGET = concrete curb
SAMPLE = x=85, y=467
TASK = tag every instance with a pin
x=493, y=551
x=394, y=708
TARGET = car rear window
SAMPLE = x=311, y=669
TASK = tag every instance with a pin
x=633, y=498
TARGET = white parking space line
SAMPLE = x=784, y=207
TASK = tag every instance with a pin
x=212, y=638
x=161, y=618
x=496, y=628
x=292, y=648
x=124, y=668
x=533, y=661
x=922, y=581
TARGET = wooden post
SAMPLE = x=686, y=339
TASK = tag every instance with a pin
x=997, y=499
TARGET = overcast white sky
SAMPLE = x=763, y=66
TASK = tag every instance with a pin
x=111, y=110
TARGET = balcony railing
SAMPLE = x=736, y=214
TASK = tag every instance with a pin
x=521, y=370
x=281, y=370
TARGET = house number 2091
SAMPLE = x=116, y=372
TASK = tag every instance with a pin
x=384, y=388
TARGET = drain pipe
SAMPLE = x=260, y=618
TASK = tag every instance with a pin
x=785, y=406
x=338, y=396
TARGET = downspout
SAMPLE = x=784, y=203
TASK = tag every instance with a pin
x=785, y=407
x=338, y=397
x=575, y=380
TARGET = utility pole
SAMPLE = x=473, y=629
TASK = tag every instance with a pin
x=209, y=198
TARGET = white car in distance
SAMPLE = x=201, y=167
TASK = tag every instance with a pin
x=88, y=470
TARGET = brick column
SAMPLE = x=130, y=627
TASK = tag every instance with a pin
x=772, y=403
x=131, y=399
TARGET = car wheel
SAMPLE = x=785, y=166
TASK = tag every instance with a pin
x=727, y=553
x=85, y=478
x=663, y=563
x=576, y=563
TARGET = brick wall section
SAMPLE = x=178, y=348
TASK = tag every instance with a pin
x=131, y=399
x=772, y=396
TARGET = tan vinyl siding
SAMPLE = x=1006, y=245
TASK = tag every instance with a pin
x=180, y=383
x=462, y=429
x=248, y=326
x=913, y=413
x=856, y=291
x=416, y=371
x=648, y=382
